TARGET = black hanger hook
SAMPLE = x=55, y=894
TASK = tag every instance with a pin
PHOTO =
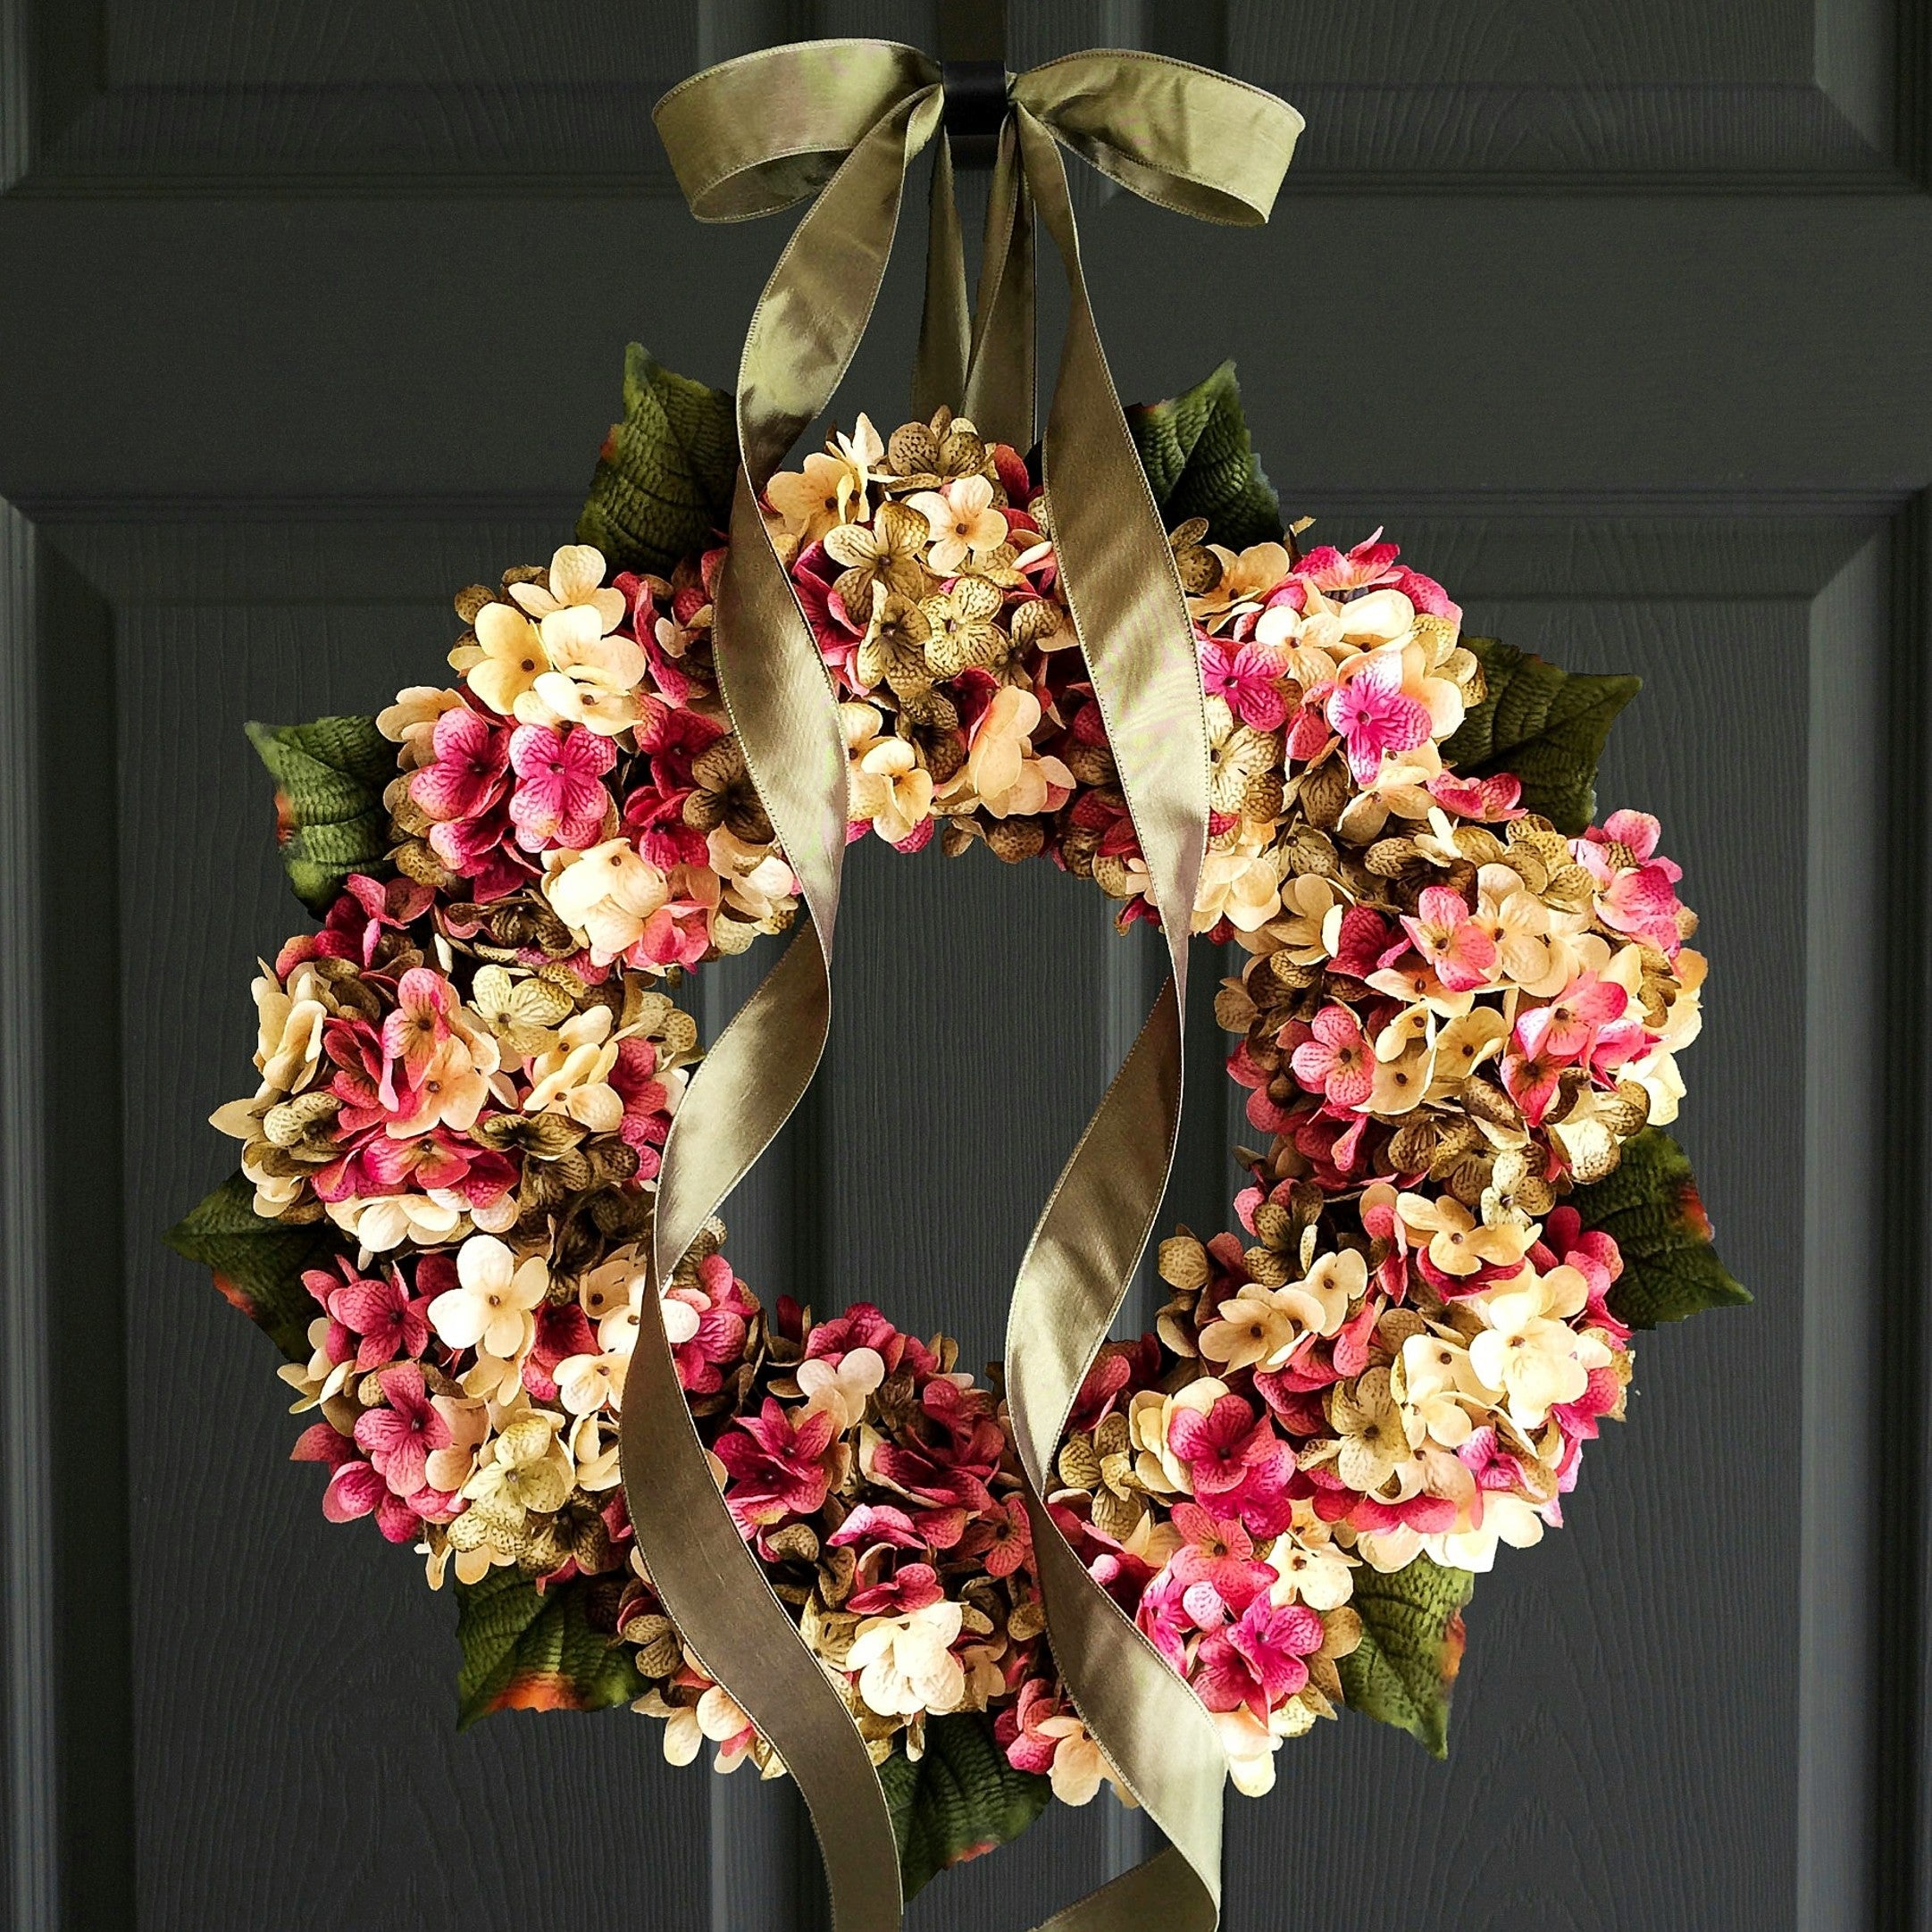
x=973, y=68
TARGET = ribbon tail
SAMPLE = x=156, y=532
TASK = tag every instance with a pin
x=999, y=391
x=802, y=336
x=708, y=1576
x=939, y=370
x=1136, y=636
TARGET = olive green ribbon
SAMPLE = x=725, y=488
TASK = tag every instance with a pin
x=843, y=120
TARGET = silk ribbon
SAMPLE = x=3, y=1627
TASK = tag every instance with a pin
x=843, y=120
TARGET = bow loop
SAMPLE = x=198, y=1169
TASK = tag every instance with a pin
x=1181, y=136
x=754, y=135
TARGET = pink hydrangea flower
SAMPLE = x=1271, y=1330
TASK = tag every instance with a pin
x=1640, y=899
x=468, y=772
x=1260, y=1660
x=721, y=1304
x=913, y=1586
x=356, y=922
x=1027, y=1747
x=780, y=1465
x=1249, y=676
x=1374, y=714
x=1228, y=1450
x=1442, y=931
x=1567, y=1028
x=465, y=790
x=389, y=1321
x=560, y=798
x=647, y=1103
x=1489, y=800
x=877, y=1524
x=1335, y=1061
x=399, y=1438
x=1011, y=1544
x=419, y=1025
x=1217, y=1555
x=1370, y=565
x=679, y=932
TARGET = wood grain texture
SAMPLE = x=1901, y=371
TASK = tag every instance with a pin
x=1735, y=346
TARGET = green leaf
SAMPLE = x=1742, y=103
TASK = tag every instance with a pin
x=1649, y=1205
x=663, y=486
x=550, y=1650
x=1405, y=1668
x=330, y=816
x=1200, y=461
x=257, y=1262
x=961, y=1798
x=1546, y=725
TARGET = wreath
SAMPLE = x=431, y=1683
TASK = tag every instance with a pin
x=1456, y=1019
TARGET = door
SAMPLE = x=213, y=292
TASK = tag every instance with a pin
x=1613, y=314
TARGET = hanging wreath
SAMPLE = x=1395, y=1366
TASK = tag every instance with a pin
x=1457, y=1017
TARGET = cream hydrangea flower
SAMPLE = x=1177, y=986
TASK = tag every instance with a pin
x=892, y=789
x=491, y=1309
x=1457, y=1242
x=450, y=1093
x=1526, y=1349
x=317, y=1380
x=1241, y=881
x=573, y=1078
x=1263, y=1326
x=1441, y=1394
x=384, y=1221
x=605, y=893
x=586, y=1383
x=760, y=888
x=1310, y=1565
x=1507, y=1518
x=905, y=1664
x=576, y=581
x=1080, y=1767
x=1001, y=771
x=467, y=1420
x=840, y=1390
x=961, y=521
x=503, y=666
x=1310, y=906
x=1250, y=1746
x=828, y=490
x=411, y=722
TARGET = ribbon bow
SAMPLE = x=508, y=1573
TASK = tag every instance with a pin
x=844, y=120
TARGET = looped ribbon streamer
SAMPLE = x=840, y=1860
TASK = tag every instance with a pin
x=843, y=120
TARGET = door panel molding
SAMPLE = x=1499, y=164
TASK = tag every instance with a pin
x=1492, y=95
x=63, y=1181
x=1850, y=561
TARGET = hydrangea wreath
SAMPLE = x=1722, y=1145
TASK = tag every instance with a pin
x=1456, y=1020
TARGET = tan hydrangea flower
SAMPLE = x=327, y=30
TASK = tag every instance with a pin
x=885, y=554
x=724, y=795
x=960, y=627
x=894, y=650
x=929, y=456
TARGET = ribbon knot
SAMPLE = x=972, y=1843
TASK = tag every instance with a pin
x=843, y=121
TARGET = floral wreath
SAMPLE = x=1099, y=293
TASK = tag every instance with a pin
x=1456, y=1022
